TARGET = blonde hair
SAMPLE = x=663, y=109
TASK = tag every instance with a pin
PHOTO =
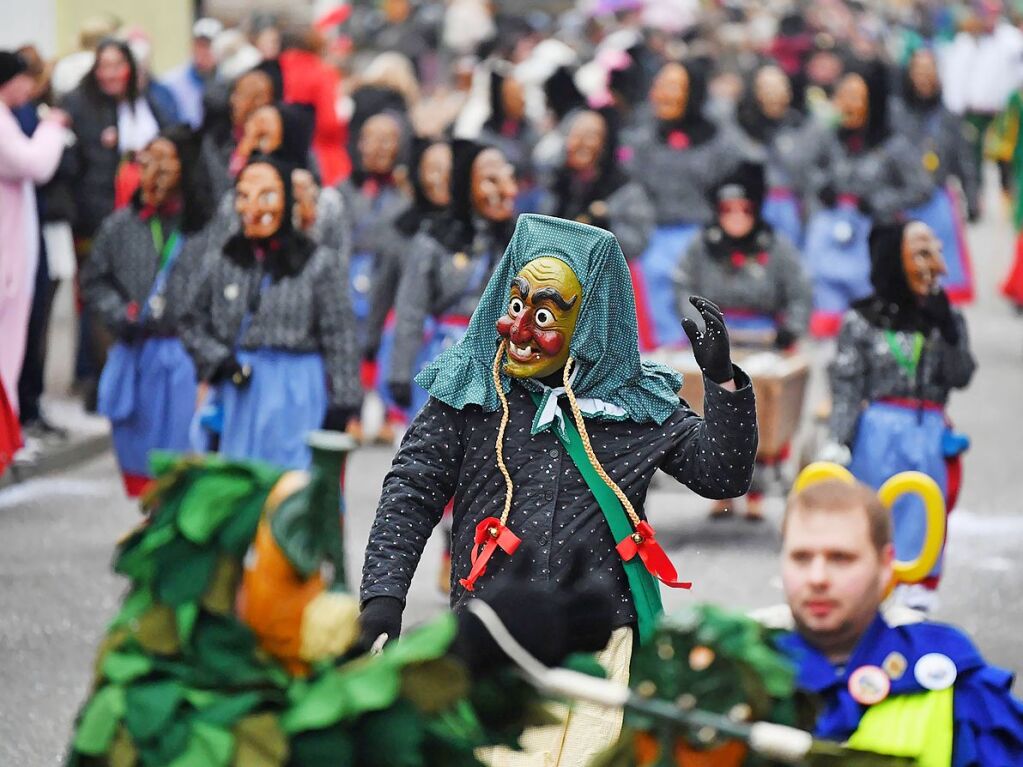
x=836, y=496
x=393, y=70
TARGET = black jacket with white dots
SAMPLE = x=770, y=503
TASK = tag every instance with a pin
x=450, y=453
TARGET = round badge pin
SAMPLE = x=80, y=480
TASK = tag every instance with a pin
x=935, y=671
x=231, y=292
x=895, y=665
x=869, y=685
x=843, y=232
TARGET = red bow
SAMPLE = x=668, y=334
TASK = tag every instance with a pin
x=738, y=260
x=168, y=209
x=678, y=140
x=762, y=258
x=642, y=542
x=490, y=535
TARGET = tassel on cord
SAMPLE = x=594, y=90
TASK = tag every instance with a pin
x=642, y=541
x=493, y=533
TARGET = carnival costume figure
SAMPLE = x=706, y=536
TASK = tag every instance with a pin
x=509, y=129
x=755, y=275
x=430, y=177
x=902, y=351
x=678, y=158
x=374, y=200
x=271, y=330
x=145, y=268
x=945, y=153
x=545, y=428
x=449, y=266
x=792, y=145
x=249, y=92
x=872, y=176
x=592, y=188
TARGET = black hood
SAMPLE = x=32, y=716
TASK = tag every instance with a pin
x=287, y=250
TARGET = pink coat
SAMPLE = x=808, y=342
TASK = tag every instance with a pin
x=24, y=162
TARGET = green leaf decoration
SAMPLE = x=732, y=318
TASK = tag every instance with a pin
x=210, y=501
x=585, y=663
x=122, y=751
x=220, y=594
x=227, y=710
x=99, y=721
x=391, y=738
x=169, y=746
x=329, y=747
x=208, y=746
x=178, y=582
x=259, y=742
x=434, y=685
x=150, y=707
x=135, y=605
x=157, y=630
x=186, y=615
x=122, y=667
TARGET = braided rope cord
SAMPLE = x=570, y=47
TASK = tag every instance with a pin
x=505, y=417
x=577, y=414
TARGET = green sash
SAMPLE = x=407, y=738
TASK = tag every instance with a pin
x=646, y=594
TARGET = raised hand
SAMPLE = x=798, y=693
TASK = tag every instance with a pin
x=710, y=347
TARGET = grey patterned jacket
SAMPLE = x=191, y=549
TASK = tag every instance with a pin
x=889, y=177
x=864, y=370
x=450, y=453
x=217, y=160
x=122, y=268
x=308, y=312
x=795, y=157
x=944, y=133
x=436, y=282
x=679, y=182
x=779, y=288
x=630, y=216
x=373, y=218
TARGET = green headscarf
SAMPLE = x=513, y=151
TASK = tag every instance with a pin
x=605, y=344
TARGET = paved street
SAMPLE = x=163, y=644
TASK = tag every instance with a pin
x=57, y=534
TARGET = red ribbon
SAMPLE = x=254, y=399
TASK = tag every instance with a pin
x=490, y=536
x=644, y=543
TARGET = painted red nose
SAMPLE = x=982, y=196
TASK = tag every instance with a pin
x=522, y=327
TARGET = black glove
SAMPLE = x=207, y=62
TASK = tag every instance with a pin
x=401, y=393
x=337, y=417
x=549, y=621
x=233, y=371
x=828, y=196
x=380, y=615
x=710, y=347
x=937, y=310
x=784, y=338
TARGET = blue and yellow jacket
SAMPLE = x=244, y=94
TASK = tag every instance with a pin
x=963, y=715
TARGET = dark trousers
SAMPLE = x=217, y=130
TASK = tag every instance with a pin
x=31, y=383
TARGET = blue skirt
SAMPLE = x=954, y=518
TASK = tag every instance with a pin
x=892, y=438
x=269, y=419
x=781, y=210
x=942, y=214
x=653, y=282
x=837, y=257
x=148, y=391
x=441, y=334
x=360, y=284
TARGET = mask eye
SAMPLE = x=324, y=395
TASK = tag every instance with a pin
x=544, y=318
x=515, y=307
